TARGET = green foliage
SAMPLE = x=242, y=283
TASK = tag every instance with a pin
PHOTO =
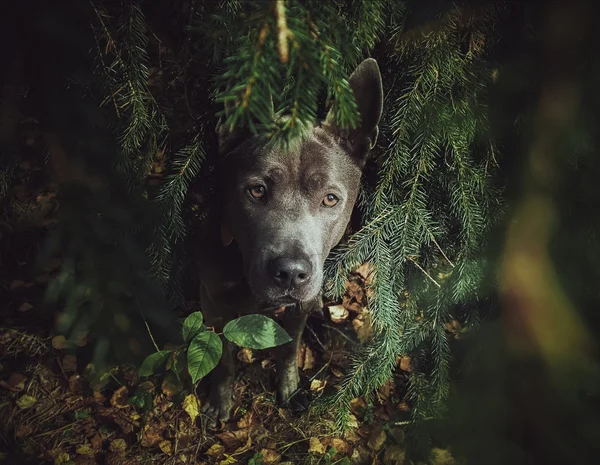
x=279, y=68
x=123, y=61
x=204, y=348
x=427, y=218
x=170, y=199
x=256, y=459
x=154, y=362
x=203, y=355
x=255, y=332
x=192, y=326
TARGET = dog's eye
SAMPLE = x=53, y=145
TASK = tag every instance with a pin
x=257, y=192
x=330, y=200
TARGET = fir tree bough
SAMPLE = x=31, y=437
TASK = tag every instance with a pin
x=426, y=219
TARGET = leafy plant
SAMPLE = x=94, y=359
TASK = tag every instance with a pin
x=204, y=347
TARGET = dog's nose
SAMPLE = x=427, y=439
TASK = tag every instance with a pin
x=290, y=273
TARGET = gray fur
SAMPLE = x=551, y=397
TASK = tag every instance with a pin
x=280, y=241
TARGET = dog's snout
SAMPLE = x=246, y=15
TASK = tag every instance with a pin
x=290, y=273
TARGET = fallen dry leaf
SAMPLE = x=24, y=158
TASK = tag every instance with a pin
x=357, y=406
x=315, y=446
x=362, y=326
x=60, y=342
x=120, y=398
x=246, y=421
x=152, y=434
x=61, y=458
x=228, y=460
x=453, y=327
x=337, y=372
x=405, y=364
x=85, y=449
x=25, y=307
x=354, y=290
x=365, y=271
x=267, y=364
x=352, y=436
x=233, y=439
x=270, y=456
x=166, y=446
x=24, y=430
x=26, y=402
x=352, y=421
x=15, y=382
x=352, y=304
x=403, y=407
x=317, y=385
x=245, y=448
x=341, y=446
x=338, y=313
x=376, y=439
x=386, y=390
x=191, y=405
x=306, y=358
x=394, y=455
x=118, y=445
x=216, y=450
x=96, y=441
x=442, y=457
x=245, y=355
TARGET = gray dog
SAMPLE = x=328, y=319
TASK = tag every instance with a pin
x=281, y=214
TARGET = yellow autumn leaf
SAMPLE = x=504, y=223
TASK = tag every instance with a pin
x=62, y=458
x=85, y=449
x=26, y=401
x=228, y=460
x=166, y=446
x=216, y=450
x=191, y=405
x=118, y=445
x=315, y=446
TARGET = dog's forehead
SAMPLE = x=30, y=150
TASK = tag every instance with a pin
x=315, y=156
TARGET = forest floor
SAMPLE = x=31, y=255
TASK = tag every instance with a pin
x=52, y=413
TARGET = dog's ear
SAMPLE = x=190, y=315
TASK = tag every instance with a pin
x=367, y=88
x=230, y=138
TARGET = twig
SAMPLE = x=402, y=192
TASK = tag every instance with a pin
x=341, y=333
x=408, y=422
x=46, y=433
x=316, y=337
x=425, y=272
x=440, y=249
x=150, y=334
x=283, y=31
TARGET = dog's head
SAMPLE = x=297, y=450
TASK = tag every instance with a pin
x=287, y=209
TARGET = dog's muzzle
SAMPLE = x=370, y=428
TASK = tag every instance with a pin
x=291, y=275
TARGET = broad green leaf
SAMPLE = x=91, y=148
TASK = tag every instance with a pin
x=203, y=354
x=192, y=326
x=154, y=362
x=255, y=332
